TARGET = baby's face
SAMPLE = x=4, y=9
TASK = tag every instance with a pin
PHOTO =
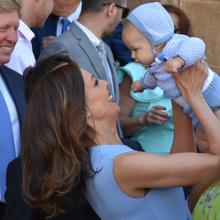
x=141, y=49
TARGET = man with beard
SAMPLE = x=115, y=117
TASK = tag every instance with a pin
x=83, y=42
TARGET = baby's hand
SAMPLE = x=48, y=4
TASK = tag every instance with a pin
x=173, y=65
x=137, y=87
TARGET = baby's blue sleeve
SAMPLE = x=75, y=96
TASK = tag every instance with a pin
x=148, y=81
x=191, y=50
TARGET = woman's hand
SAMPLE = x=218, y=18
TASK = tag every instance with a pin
x=191, y=80
x=155, y=115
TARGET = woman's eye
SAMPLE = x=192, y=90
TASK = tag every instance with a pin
x=96, y=82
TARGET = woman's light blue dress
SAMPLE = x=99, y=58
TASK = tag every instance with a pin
x=110, y=203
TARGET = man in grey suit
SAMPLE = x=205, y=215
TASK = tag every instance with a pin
x=98, y=19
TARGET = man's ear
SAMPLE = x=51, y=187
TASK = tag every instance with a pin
x=111, y=9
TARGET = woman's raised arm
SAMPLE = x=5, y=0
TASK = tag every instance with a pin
x=144, y=171
x=190, y=83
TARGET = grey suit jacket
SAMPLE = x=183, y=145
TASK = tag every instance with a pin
x=80, y=49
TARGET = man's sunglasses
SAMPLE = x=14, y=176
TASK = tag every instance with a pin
x=125, y=11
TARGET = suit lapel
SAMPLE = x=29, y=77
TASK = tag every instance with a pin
x=16, y=90
x=86, y=45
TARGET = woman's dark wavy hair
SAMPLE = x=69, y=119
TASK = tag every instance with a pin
x=55, y=136
x=184, y=22
x=33, y=74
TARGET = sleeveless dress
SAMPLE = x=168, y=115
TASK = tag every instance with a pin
x=110, y=203
x=154, y=138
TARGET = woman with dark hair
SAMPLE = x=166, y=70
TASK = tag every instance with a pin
x=56, y=135
x=182, y=23
x=16, y=208
x=71, y=144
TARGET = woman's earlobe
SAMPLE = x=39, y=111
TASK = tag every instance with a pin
x=88, y=114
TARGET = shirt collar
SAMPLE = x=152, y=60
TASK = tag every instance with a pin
x=25, y=31
x=75, y=15
x=92, y=37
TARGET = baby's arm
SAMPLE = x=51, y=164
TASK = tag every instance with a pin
x=191, y=50
x=137, y=86
x=148, y=81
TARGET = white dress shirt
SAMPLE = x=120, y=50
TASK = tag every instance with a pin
x=73, y=17
x=13, y=117
x=22, y=56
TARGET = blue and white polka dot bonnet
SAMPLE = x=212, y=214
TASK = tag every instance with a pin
x=153, y=21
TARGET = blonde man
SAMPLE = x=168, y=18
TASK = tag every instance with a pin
x=33, y=14
x=12, y=102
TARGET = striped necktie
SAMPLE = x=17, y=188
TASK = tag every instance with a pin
x=103, y=56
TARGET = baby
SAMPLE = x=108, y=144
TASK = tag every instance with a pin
x=149, y=33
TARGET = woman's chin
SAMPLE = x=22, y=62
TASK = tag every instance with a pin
x=118, y=111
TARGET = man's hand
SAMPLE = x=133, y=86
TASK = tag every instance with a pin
x=47, y=40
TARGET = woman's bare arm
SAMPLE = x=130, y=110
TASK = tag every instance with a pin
x=188, y=82
x=143, y=171
x=136, y=171
x=184, y=140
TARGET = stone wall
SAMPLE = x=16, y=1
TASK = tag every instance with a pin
x=204, y=16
